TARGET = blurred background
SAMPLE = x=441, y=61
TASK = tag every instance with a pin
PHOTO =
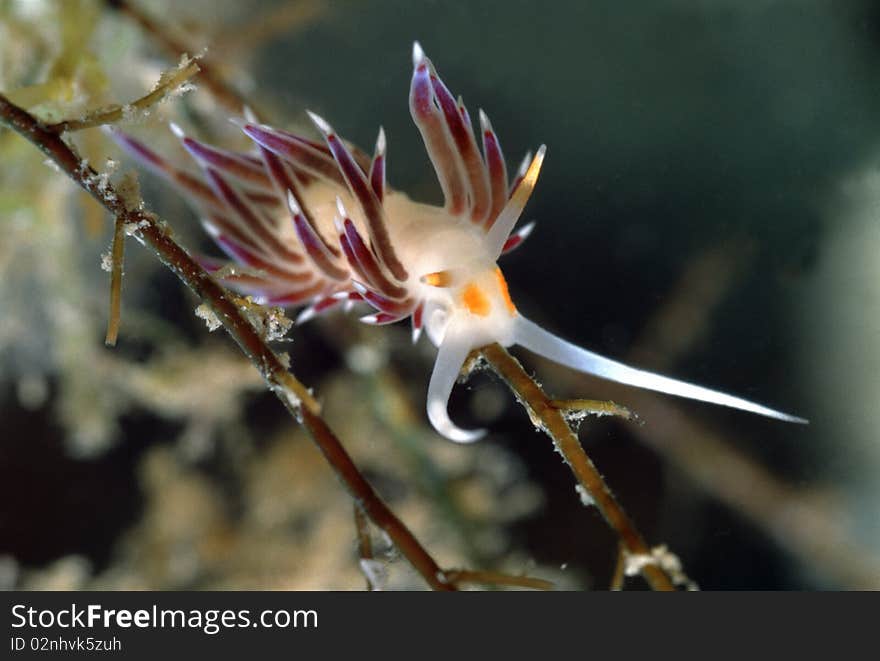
x=708, y=208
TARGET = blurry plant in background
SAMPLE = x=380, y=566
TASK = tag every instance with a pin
x=681, y=211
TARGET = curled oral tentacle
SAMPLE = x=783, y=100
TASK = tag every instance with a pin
x=451, y=354
x=534, y=338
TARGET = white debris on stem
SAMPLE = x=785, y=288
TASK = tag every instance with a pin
x=584, y=495
x=132, y=229
x=204, y=311
x=288, y=398
x=129, y=189
x=138, y=112
x=663, y=558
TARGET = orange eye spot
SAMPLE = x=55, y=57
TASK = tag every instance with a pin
x=475, y=300
x=505, y=293
x=437, y=279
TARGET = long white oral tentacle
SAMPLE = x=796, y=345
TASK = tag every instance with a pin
x=451, y=355
x=534, y=338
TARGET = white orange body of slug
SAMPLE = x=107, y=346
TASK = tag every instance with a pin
x=317, y=224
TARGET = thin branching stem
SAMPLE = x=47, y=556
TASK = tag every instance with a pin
x=117, y=257
x=208, y=76
x=168, y=83
x=552, y=421
x=151, y=231
x=465, y=576
x=595, y=407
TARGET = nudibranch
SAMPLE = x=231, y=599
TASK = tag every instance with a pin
x=317, y=225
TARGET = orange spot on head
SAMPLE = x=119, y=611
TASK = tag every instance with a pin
x=475, y=300
x=505, y=293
